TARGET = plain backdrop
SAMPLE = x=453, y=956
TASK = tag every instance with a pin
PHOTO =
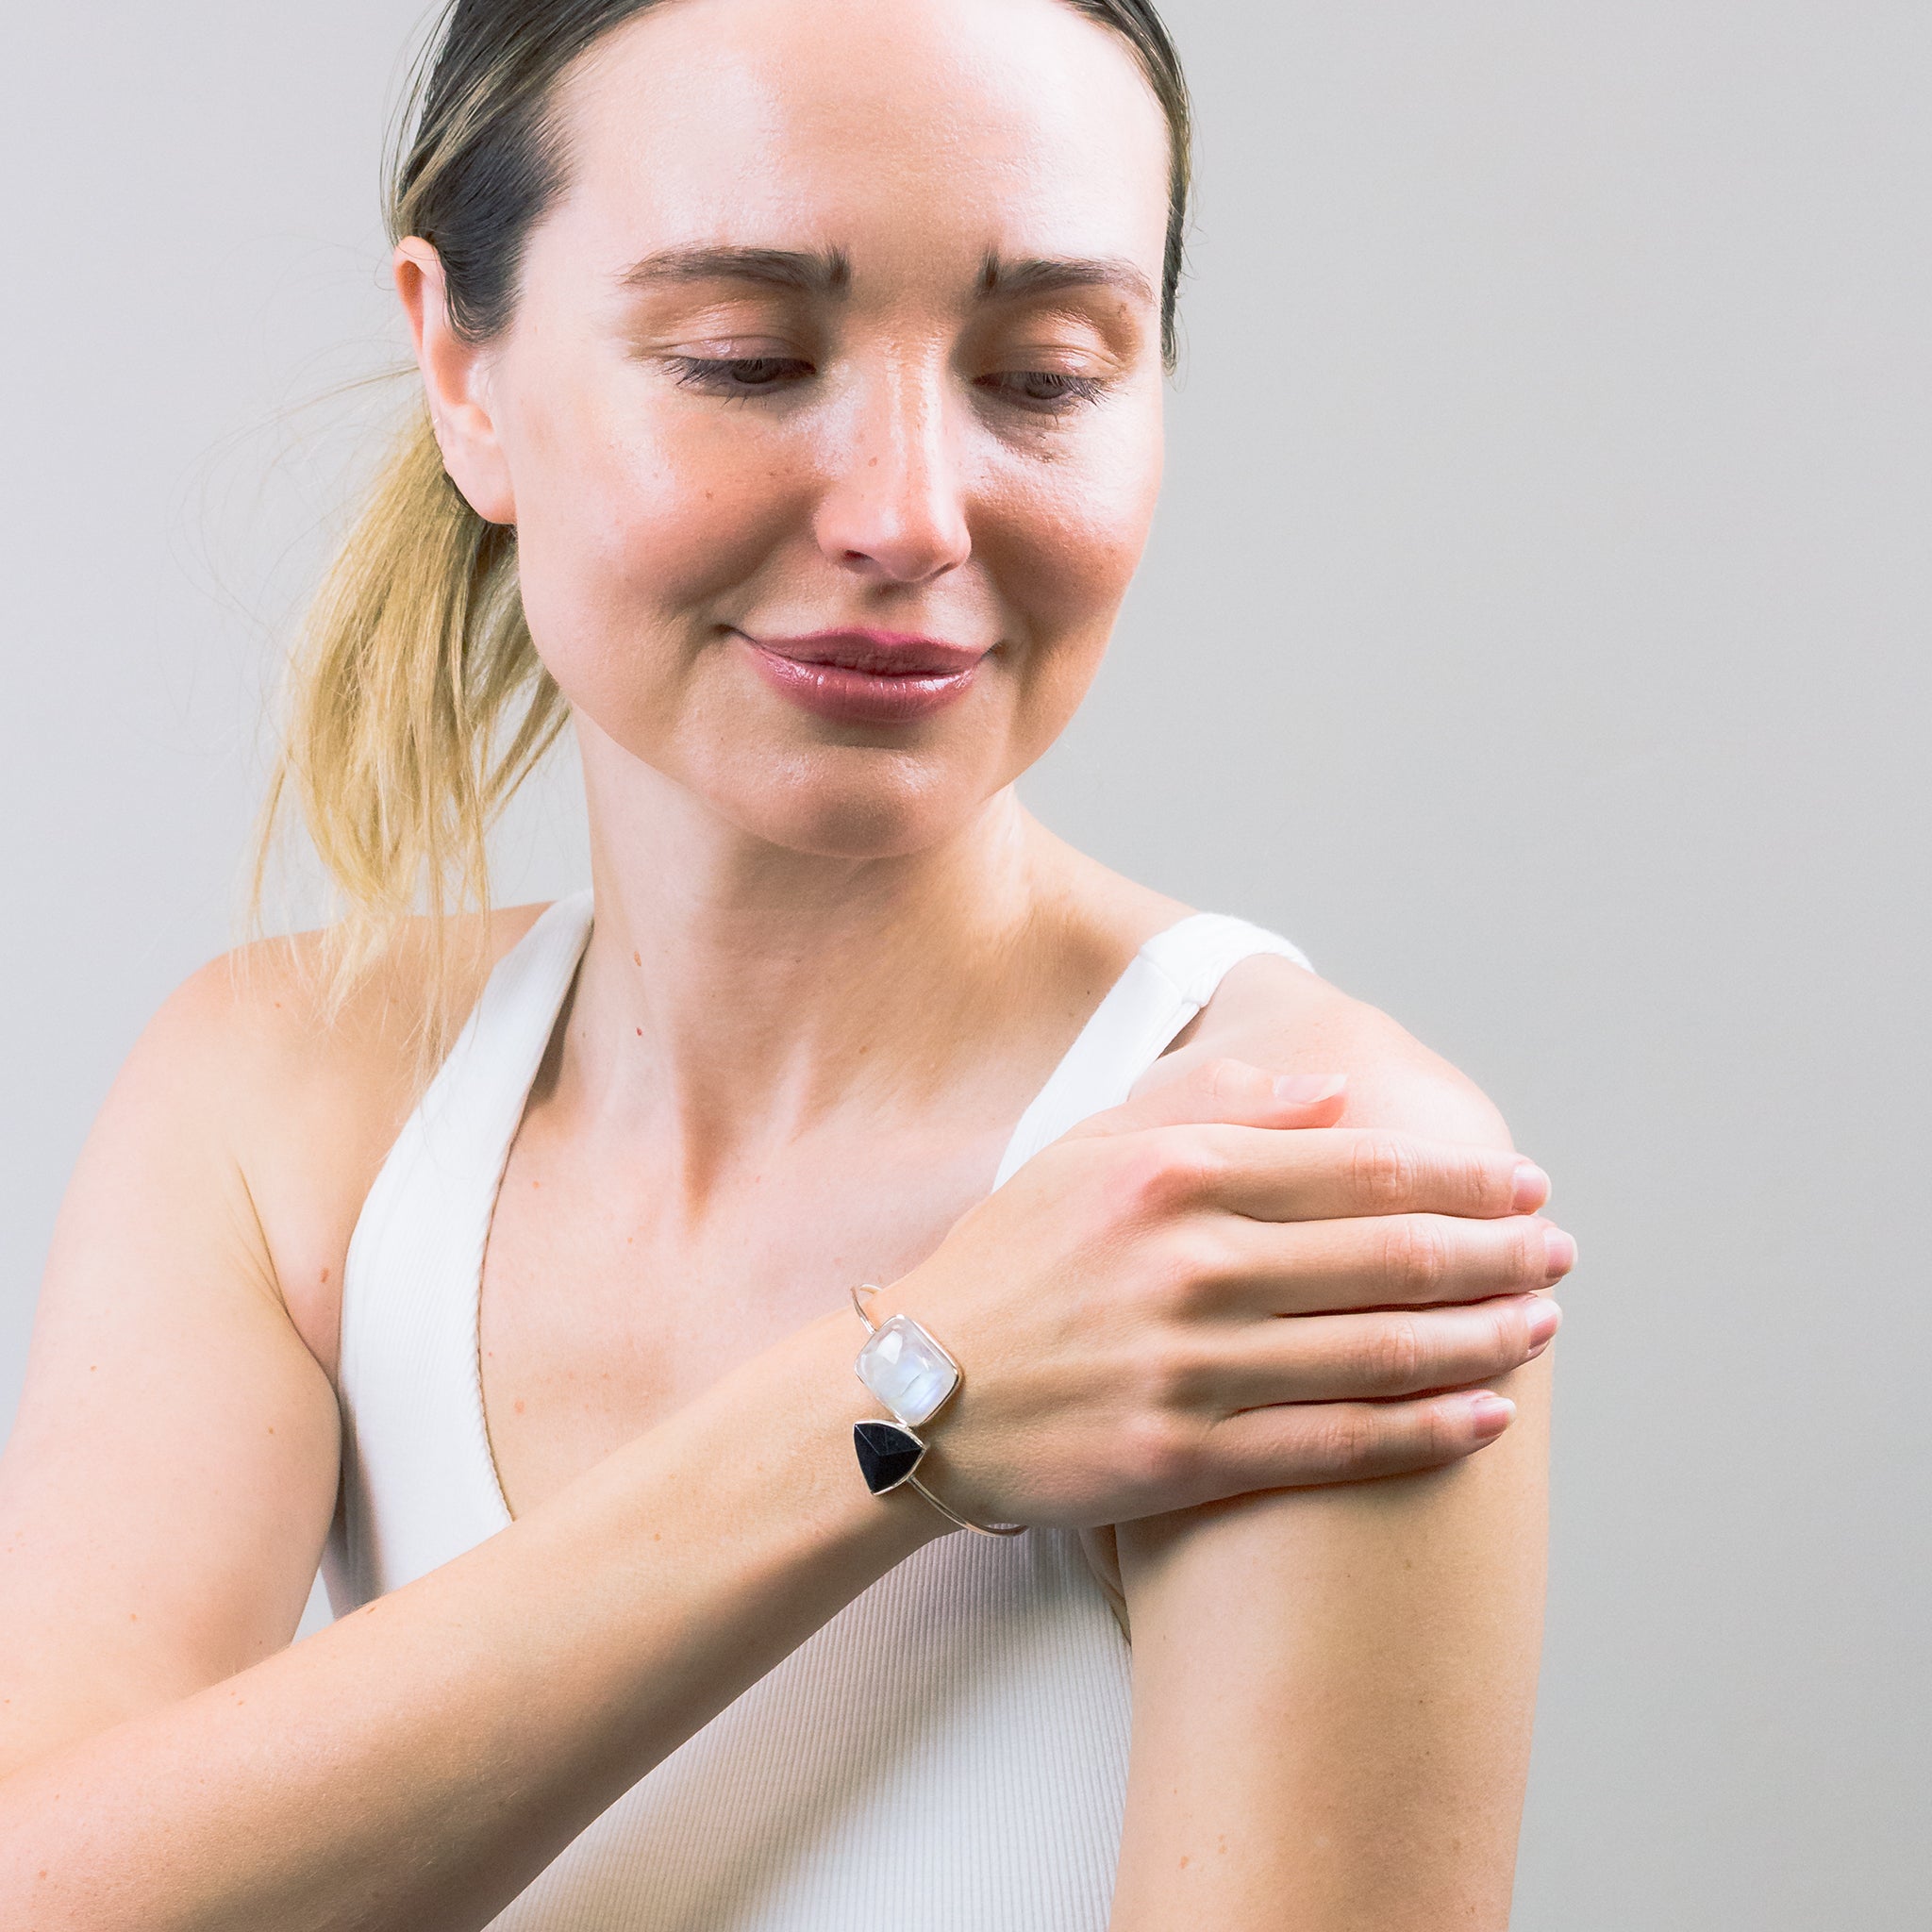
x=1535, y=628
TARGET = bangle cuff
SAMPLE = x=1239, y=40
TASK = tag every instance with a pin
x=915, y=1378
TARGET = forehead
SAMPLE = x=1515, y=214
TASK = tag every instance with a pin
x=870, y=124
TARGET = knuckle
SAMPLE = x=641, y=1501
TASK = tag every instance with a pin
x=1504, y=1342
x=1198, y=1257
x=1430, y=1436
x=1489, y=1183
x=1443, y=1435
x=1175, y=1377
x=1341, y=1440
x=1164, y=1286
x=1158, y=1453
x=1384, y=1172
x=1177, y=1266
x=1499, y=1342
x=1225, y=1081
x=1392, y=1355
x=1417, y=1259
x=1186, y=1168
x=1146, y=1174
x=1530, y=1255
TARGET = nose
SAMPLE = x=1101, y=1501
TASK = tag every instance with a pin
x=895, y=507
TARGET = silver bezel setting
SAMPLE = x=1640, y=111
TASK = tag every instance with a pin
x=910, y=1479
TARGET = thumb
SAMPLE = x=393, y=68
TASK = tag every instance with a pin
x=1231, y=1092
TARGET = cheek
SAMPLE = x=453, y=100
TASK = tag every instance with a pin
x=628, y=531
x=1068, y=539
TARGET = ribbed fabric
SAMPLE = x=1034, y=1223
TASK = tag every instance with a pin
x=949, y=1753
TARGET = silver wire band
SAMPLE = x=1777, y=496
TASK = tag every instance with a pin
x=865, y=1287
x=912, y=1482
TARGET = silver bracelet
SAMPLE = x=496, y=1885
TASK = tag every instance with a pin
x=915, y=1378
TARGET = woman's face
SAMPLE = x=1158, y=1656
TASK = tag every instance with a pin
x=830, y=414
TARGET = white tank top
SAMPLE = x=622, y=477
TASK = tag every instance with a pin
x=949, y=1753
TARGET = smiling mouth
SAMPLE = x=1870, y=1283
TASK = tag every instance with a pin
x=866, y=678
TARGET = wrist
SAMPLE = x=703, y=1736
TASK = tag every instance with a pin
x=786, y=1419
x=914, y=1376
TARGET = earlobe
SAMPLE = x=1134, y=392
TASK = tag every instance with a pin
x=455, y=385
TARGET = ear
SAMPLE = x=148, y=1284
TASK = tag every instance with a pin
x=456, y=381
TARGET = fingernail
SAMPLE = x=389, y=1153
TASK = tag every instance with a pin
x=1303, y=1090
x=1532, y=1188
x=1544, y=1320
x=1560, y=1249
x=1490, y=1413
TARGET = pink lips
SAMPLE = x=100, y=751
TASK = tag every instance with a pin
x=866, y=677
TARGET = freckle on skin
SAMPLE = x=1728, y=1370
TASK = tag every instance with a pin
x=638, y=959
x=520, y=1405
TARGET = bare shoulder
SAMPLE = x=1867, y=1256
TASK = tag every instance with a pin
x=174, y=1465
x=298, y=1100
x=1273, y=1014
x=263, y=1011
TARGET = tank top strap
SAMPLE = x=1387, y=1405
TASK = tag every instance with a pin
x=1168, y=981
x=408, y=1378
x=476, y=1104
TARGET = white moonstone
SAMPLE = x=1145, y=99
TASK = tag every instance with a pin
x=906, y=1370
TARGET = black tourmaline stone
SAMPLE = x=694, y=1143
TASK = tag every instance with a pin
x=886, y=1453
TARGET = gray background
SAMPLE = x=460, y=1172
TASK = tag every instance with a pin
x=1550, y=467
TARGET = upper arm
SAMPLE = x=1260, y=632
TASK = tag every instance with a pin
x=169, y=1478
x=1351, y=1746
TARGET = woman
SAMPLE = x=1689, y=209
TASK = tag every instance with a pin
x=795, y=372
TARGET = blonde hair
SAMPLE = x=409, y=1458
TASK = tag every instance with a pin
x=416, y=704
x=415, y=708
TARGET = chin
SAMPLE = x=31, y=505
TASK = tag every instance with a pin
x=855, y=804
x=779, y=779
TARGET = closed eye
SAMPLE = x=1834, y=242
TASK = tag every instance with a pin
x=738, y=376
x=1041, y=391
x=1048, y=391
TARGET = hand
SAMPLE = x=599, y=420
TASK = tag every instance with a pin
x=1179, y=1301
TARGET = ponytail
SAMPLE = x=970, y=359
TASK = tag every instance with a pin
x=415, y=708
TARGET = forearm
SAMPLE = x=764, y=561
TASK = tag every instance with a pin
x=418, y=1763
x=1333, y=1695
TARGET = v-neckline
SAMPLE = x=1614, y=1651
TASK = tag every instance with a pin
x=1125, y=982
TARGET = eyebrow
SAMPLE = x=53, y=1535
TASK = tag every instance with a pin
x=1053, y=275
x=826, y=272
x=829, y=271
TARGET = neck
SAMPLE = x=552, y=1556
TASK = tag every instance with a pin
x=737, y=995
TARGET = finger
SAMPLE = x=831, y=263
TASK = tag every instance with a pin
x=1386, y=1261
x=1327, y=1172
x=1302, y=1445
x=1227, y=1090
x=1373, y=1357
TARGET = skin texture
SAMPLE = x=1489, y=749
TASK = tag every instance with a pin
x=832, y=964
x=1351, y=1751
